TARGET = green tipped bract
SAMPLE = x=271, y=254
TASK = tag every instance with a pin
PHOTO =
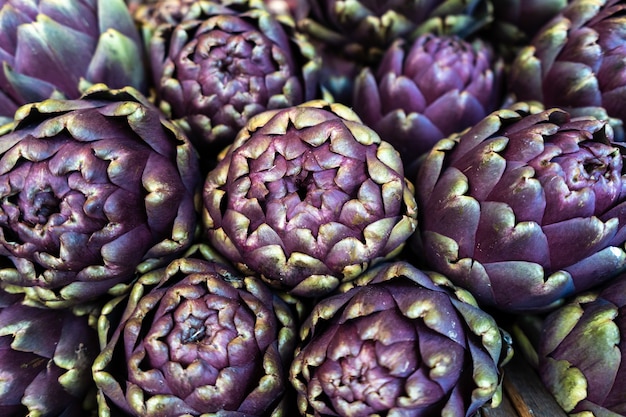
x=581, y=350
x=58, y=48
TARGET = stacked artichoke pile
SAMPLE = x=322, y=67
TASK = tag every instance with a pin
x=316, y=208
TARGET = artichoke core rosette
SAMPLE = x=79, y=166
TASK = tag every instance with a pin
x=525, y=208
x=224, y=63
x=399, y=341
x=45, y=360
x=92, y=191
x=57, y=48
x=308, y=197
x=425, y=90
x=196, y=338
x=581, y=352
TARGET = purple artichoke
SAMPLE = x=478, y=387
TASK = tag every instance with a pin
x=362, y=29
x=576, y=61
x=223, y=64
x=196, y=338
x=57, y=48
x=581, y=352
x=525, y=208
x=399, y=341
x=428, y=89
x=45, y=361
x=92, y=191
x=308, y=197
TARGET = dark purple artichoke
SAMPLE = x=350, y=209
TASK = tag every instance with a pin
x=425, y=90
x=402, y=342
x=223, y=64
x=57, y=48
x=196, y=338
x=582, y=351
x=525, y=208
x=362, y=29
x=576, y=61
x=308, y=197
x=45, y=361
x=92, y=191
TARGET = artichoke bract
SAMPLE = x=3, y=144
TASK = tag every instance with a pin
x=525, y=208
x=196, y=338
x=45, y=360
x=576, y=61
x=223, y=64
x=581, y=352
x=399, y=341
x=308, y=197
x=58, y=48
x=92, y=191
x=425, y=90
x=515, y=22
x=362, y=29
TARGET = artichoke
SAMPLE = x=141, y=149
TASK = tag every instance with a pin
x=581, y=350
x=399, y=341
x=57, y=48
x=576, y=62
x=525, y=208
x=45, y=360
x=224, y=63
x=308, y=197
x=196, y=338
x=92, y=191
x=428, y=89
x=362, y=29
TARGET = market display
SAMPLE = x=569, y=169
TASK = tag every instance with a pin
x=281, y=208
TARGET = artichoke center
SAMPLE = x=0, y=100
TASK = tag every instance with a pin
x=44, y=204
x=360, y=379
x=593, y=165
x=195, y=332
x=301, y=185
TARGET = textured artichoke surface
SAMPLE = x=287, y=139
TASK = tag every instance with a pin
x=45, y=360
x=308, y=197
x=92, y=191
x=399, y=341
x=425, y=90
x=581, y=352
x=223, y=63
x=52, y=48
x=196, y=338
x=362, y=29
x=525, y=208
x=516, y=22
x=576, y=61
